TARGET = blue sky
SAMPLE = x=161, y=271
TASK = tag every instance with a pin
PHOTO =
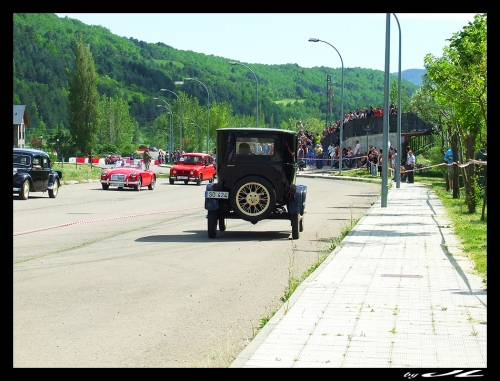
x=282, y=38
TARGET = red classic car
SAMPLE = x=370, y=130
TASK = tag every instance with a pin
x=194, y=167
x=112, y=159
x=128, y=175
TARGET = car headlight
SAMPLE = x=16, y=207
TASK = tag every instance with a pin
x=174, y=171
x=191, y=173
x=104, y=173
x=133, y=175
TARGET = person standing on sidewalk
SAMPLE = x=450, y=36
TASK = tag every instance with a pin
x=147, y=158
x=357, y=152
x=330, y=152
x=380, y=161
x=393, y=163
x=405, y=177
x=448, y=159
x=410, y=163
x=319, y=156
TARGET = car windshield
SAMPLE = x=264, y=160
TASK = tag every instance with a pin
x=22, y=160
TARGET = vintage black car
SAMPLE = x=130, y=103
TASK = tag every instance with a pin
x=256, y=172
x=33, y=173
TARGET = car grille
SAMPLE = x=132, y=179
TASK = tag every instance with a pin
x=117, y=177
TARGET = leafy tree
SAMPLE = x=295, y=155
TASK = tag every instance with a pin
x=83, y=99
x=405, y=102
x=457, y=83
x=116, y=125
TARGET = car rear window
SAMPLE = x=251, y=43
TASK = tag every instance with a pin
x=254, y=146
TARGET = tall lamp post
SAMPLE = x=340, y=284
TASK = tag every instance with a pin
x=57, y=158
x=193, y=122
x=170, y=141
x=171, y=134
x=180, y=118
x=208, y=105
x=341, y=100
x=257, y=91
x=385, y=135
x=398, y=161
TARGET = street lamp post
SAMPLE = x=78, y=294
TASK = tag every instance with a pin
x=168, y=144
x=385, y=134
x=193, y=122
x=341, y=101
x=57, y=140
x=398, y=158
x=208, y=105
x=180, y=119
x=171, y=116
x=171, y=134
x=257, y=91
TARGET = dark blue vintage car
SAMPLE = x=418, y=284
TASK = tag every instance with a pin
x=33, y=173
x=256, y=172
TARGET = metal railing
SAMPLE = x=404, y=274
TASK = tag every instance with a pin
x=411, y=125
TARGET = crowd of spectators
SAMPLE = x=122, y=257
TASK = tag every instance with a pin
x=174, y=155
x=360, y=113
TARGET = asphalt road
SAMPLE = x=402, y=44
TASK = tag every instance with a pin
x=131, y=279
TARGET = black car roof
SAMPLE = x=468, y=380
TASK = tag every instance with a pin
x=258, y=130
x=30, y=151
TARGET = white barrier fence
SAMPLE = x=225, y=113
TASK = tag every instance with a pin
x=82, y=160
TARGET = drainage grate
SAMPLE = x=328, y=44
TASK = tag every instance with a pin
x=402, y=275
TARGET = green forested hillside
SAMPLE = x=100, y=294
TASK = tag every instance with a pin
x=44, y=47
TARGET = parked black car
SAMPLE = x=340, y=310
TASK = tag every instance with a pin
x=256, y=172
x=33, y=173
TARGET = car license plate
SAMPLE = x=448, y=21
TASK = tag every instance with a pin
x=216, y=194
x=182, y=177
x=119, y=185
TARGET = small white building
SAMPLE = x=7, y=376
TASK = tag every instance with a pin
x=21, y=120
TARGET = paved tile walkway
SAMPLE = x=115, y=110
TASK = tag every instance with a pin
x=397, y=292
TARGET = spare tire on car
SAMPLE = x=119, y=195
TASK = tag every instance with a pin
x=252, y=198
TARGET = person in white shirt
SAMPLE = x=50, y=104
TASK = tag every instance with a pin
x=393, y=163
x=357, y=152
x=331, y=149
x=410, y=163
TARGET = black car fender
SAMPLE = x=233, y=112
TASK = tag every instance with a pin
x=298, y=202
x=211, y=203
x=23, y=177
x=53, y=177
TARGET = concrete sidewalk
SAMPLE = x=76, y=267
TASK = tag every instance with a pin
x=397, y=292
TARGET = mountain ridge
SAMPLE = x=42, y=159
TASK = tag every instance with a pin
x=412, y=75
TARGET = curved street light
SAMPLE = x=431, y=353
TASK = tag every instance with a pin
x=257, y=91
x=171, y=134
x=180, y=119
x=193, y=122
x=208, y=105
x=341, y=100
